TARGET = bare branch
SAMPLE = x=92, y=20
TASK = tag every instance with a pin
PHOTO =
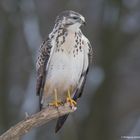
x=38, y=119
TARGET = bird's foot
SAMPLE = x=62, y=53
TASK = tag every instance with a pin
x=71, y=101
x=56, y=103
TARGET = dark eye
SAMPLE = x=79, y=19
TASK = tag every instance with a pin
x=75, y=17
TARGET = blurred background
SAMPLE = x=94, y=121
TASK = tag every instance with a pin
x=110, y=106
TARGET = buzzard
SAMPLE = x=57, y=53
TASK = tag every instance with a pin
x=63, y=62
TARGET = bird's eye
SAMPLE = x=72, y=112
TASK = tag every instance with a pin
x=75, y=17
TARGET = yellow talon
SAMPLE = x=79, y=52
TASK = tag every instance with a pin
x=56, y=103
x=70, y=100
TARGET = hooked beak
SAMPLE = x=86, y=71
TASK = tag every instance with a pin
x=82, y=20
x=84, y=23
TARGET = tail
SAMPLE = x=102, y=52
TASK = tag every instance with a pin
x=60, y=122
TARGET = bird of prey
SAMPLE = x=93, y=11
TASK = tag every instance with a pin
x=63, y=62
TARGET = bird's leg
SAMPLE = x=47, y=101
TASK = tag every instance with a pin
x=70, y=100
x=56, y=102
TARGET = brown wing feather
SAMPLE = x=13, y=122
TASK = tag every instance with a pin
x=82, y=81
x=42, y=61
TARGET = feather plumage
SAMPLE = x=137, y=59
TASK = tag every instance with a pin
x=63, y=61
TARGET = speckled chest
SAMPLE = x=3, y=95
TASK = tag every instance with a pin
x=67, y=60
x=69, y=42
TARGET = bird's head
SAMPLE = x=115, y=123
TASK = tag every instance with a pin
x=70, y=20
